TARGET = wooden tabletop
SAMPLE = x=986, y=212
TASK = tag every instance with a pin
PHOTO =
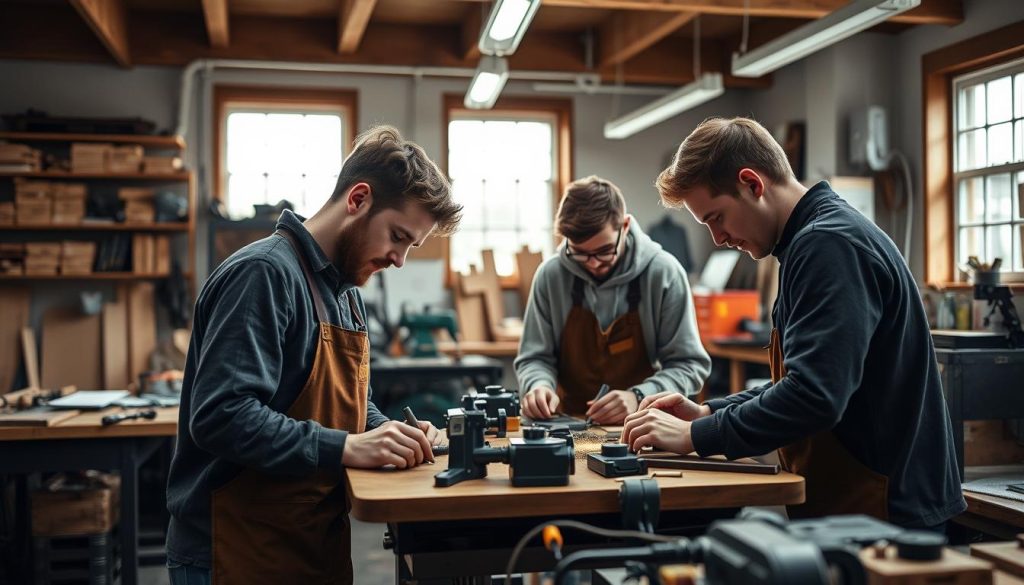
x=409, y=495
x=1003, y=510
x=87, y=426
x=743, y=353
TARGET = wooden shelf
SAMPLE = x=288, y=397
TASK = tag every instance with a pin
x=100, y=227
x=93, y=276
x=175, y=142
x=179, y=176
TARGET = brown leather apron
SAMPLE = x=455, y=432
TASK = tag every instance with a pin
x=836, y=482
x=589, y=357
x=285, y=529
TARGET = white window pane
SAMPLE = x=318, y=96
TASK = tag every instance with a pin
x=290, y=186
x=1000, y=144
x=465, y=249
x=499, y=202
x=535, y=135
x=1019, y=189
x=284, y=143
x=465, y=135
x=1018, y=248
x=1018, y=96
x=318, y=189
x=469, y=193
x=468, y=163
x=1018, y=140
x=997, y=198
x=972, y=107
x=246, y=143
x=999, y=245
x=971, y=206
x=505, y=243
x=538, y=240
x=321, y=137
x=244, y=190
x=1000, y=100
x=971, y=151
x=535, y=208
x=971, y=241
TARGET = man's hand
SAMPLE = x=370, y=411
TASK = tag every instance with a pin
x=433, y=435
x=540, y=403
x=677, y=405
x=612, y=408
x=392, y=443
x=658, y=429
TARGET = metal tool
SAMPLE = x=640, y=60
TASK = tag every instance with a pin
x=615, y=460
x=113, y=419
x=422, y=326
x=600, y=394
x=493, y=399
x=411, y=420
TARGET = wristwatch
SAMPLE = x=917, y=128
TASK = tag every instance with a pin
x=639, y=395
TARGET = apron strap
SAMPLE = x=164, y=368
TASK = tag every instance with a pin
x=577, y=291
x=633, y=296
x=318, y=299
x=355, y=311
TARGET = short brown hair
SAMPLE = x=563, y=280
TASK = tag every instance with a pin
x=713, y=154
x=588, y=204
x=399, y=171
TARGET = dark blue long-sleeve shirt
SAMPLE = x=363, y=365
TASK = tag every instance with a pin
x=254, y=337
x=860, y=361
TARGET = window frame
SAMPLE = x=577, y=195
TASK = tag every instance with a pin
x=226, y=97
x=559, y=109
x=939, y=69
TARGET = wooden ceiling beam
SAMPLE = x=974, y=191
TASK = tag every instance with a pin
x=471, y=28
x=948, y=12
x=215, y=12
x=626, y=34
x=106, y=18
x=352, y=22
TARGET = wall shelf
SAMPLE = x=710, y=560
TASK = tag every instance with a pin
x=100, y=227
x=169, y=142
x=180, y=176
x=93, y=276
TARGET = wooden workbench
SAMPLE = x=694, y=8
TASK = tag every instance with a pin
x=87, y=426
x=737, y=356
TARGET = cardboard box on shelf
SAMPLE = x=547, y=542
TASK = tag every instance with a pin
x=139, y=212
x=90, y=157
x=125, y=159
x=161, y=164
x=135, y=193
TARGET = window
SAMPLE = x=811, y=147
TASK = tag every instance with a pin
x=508, y=168
x=988, y=177
x=280, y=144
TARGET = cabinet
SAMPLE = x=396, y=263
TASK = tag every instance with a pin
x=103, y=182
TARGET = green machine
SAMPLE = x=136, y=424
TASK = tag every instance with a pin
x=421, y=326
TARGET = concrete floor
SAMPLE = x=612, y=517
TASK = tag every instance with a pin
x=371, y=563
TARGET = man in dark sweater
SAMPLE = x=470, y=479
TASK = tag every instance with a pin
x=855, y=404
x=275, y=401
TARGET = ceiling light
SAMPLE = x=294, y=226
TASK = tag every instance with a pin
x=707, y=87
x=831, y=28
x=506, y=26
x=488, y=81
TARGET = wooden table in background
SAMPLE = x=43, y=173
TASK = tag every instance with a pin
x=737, y=356
x=426, y=523
x=82, y=442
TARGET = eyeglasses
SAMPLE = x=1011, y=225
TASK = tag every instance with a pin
x=602, y=257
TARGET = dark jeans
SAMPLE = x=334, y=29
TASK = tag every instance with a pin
x=188, y=574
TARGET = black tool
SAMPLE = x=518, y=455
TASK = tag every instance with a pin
x=465, y=436
x=600, y=393
x=615, y=460
x=494, y=398
x=410, y=419
x=113, y=419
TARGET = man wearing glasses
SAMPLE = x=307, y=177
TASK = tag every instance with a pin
x=611, y=307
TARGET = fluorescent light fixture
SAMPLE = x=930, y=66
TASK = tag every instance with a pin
x=827, y=30
x=707, y=87
x=488, y=81
x=506, y=26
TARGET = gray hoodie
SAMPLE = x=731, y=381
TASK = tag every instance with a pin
x=666, y=315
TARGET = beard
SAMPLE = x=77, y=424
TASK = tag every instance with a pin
x=351, y=254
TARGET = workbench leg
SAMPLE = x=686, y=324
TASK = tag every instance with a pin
x=129, y=523
x=737, y=376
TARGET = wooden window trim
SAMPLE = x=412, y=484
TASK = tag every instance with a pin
x=560, y=108
x=225, y=96
x=938, y=69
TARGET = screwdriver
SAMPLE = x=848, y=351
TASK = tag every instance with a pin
x=113, y=419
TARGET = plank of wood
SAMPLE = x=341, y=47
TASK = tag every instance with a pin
x=115, y=341
x=87, y=425
x=71, y=349
x=486, y=283
x=30, y=351
x=671, y=461
x=107, y=18
x=1007, y=556
x=469, y=308
x=215, y=13
x=14, y=306
x=37, y=417
x=141, y=327
x=527, y=263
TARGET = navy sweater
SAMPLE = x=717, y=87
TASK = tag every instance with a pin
x=860, y=361
x=254, y=336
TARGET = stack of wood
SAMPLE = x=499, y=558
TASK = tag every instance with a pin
x=151, y=254
x=479, y=305
x=42, y=258
x=33, y=202
x=138, y=204
x=161, y=165
x=6, y=213
x=20, y=158
x=68, y=202
x=70, y=506
x=90, y=157
x=125, y=159
x=77, y=257
x=12, y=258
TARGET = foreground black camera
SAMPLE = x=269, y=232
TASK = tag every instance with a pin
x=615, y=460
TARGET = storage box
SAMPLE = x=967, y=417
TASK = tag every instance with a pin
x=719, y=314
x=65, y=508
